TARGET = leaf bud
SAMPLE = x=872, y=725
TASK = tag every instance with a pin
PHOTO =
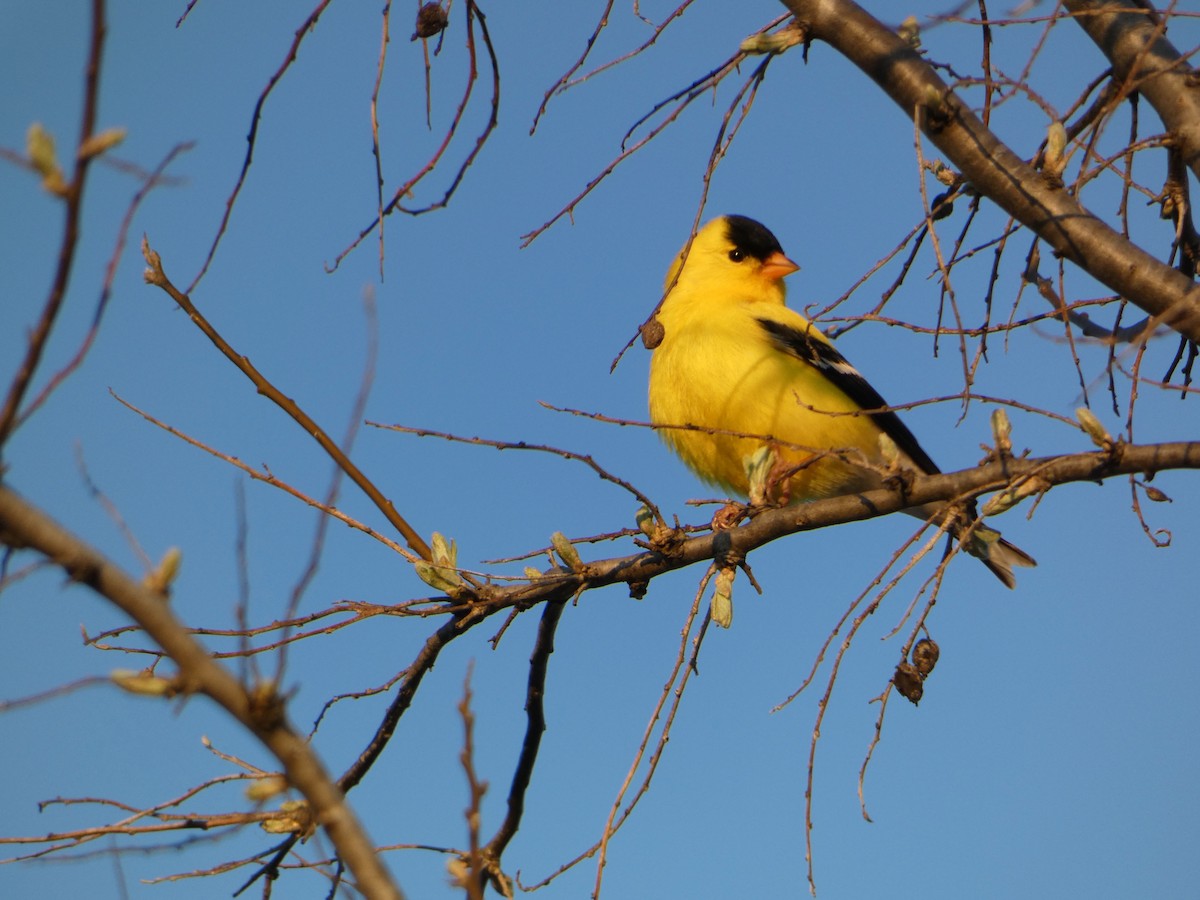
x=721, y=606
x=566, y=551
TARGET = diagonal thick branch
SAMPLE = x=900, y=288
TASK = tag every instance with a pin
x=23, y=526
x=770, y=525
x=996, y=171
x=1134, y=41
x=638, y=569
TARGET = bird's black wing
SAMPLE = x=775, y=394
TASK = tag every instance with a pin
x=822, y=356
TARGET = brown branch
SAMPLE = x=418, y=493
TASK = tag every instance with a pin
x=376, y=151
x=682, y=99
x=565, y=78
x=464, y=619
x=156, y=276
x=770, y=525
x=470, y=869
x=584, y=458
x=354, y=421
x=355, y=611
x=413, y=677
x=674, y=686
x=1134, y=41
x=996, y=171
x=300, y=34
x=150, y=181
x=625, y=57
x=725, y=135
x=535, y=714
x=474, y=15
x=831, y=681
x=265, y=477
x=72, y=195
x=258, y=708
x=52, y=694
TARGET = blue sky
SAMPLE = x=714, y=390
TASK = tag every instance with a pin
x=1054, y=751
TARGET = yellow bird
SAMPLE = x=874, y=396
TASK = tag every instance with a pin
x=767, y=388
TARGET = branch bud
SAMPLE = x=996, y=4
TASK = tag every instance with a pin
x=945, y=174
x=102, y=142
x=294, y=818
x=1054, y=160
x=442, y=573
x=933, y=100
x=154, y=271
x=1008, y=498
x=144, y=683
x=566, y=551
x=445, y=553
x=1093, y=429
x=645, y=522
x=774, y=42
x=758, y=466
x=721, y=606
x=1002, y=432
x=262, y=789
x=39, y=147
x=438, y=577
x=163, y=575
x=889, y=452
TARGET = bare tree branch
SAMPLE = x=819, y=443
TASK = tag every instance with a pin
x=535, y=713
x=72, y=194
x=156, y=276
x=1134, y=40
x=260, y=708
x=996, y=171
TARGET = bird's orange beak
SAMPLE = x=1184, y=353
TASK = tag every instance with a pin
x=777, y=266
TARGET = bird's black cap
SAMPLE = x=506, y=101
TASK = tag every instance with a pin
x=752, y=237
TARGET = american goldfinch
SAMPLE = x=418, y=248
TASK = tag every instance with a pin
x=752, y=380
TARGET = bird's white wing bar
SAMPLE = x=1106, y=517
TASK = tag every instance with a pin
x=825, y=358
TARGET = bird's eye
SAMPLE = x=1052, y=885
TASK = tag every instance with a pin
x=737, y=255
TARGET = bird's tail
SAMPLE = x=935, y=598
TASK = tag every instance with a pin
x=996, y=553
x=982, y=542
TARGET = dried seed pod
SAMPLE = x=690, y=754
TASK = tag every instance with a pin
x=925, y=656
x=431, y=20
x=1153, y=493
x=908, y=682
x=652, y=334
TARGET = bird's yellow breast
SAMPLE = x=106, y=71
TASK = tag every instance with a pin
x=717, y=369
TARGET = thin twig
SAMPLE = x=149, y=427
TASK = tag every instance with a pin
x=156, y=276
x=72, y=196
